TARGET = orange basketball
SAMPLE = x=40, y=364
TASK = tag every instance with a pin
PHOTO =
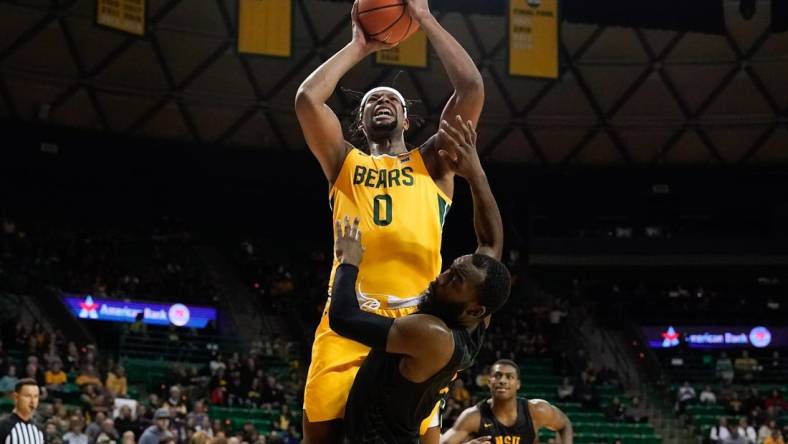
x=387, y=21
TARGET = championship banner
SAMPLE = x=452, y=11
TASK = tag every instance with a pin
x=533, y=38
x=123, y=15
x=265, y=27
x=412, y=52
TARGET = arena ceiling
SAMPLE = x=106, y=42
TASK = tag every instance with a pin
x=625, y=96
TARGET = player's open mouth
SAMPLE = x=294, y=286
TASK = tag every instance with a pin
x=384, y=112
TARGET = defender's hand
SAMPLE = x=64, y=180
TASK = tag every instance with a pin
x=458, y=149
x=481, y=440
x=348, y=242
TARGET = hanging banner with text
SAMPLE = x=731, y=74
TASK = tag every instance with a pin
x=265, y=27
x=533, y=38
x=412, y=52
x=123, y=15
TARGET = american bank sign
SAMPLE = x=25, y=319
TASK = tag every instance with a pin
x=153, y=313
x=707, y=336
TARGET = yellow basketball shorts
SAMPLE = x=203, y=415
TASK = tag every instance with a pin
x=335, y=362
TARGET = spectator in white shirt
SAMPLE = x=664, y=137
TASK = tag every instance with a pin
x=707, y=396
x=747, y=431
x=685, y=396
x=719, y=432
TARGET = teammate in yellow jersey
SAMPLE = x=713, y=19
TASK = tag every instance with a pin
x=401, y=198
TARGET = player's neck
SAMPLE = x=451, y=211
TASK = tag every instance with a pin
x=391, y=147
x=505, y=411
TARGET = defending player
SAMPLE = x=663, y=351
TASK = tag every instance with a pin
x=506, y=418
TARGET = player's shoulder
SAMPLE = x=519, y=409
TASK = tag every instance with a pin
x=539, y=408
x=470, y=419
x=425, y=325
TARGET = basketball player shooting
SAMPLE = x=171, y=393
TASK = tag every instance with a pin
x=414, y=356
x=401, y=198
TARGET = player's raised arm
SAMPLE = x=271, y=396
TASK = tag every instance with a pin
x=321, y=127
x=460, y=157
x=468, y=97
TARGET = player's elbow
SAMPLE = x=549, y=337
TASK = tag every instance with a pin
x=338, y=322
x=304, y=98
x=471, y=86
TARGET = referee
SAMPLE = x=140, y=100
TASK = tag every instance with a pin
x=17, y=427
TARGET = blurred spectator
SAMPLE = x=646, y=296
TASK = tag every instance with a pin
x=107, y=433
x=55, y=377
x=734, y=438
x=766, y=430
x=566, y=390
x=746, y=366
x=117, y=383
x=707, y=396
x=724, y=368
x=747, y=431
x=775, y=400
x=636, y=412
x=88, y=375
x=75, y=434
x=159, y=431
x=128, y=438
x=8, y=382
x=719, y=432
x=735, y=406
x=94, y=428
x=615, y=411
x=776, y=437
x=125, y=421
x=686, y=395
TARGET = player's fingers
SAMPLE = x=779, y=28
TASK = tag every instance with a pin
x=472, y=131
x=466, y=132
x=338, y=229
x=444, y=130
x=358, y=236
x=455, y=134
x=347, y=226
x=354, y=230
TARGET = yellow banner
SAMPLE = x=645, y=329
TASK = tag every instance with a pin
x=265, y=27
x=123, y=15
x=412, y=52
x=533, y=38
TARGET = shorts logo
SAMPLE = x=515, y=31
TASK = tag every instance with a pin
x=534, y=3
x=370, y=305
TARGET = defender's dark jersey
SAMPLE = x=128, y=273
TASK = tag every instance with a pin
x=521, y=432
x=385, y=408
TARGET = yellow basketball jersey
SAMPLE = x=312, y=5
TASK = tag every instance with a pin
x=401, y=212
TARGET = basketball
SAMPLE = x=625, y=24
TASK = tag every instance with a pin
x=387, y=21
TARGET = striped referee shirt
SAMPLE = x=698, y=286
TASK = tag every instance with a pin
x=14, y=430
